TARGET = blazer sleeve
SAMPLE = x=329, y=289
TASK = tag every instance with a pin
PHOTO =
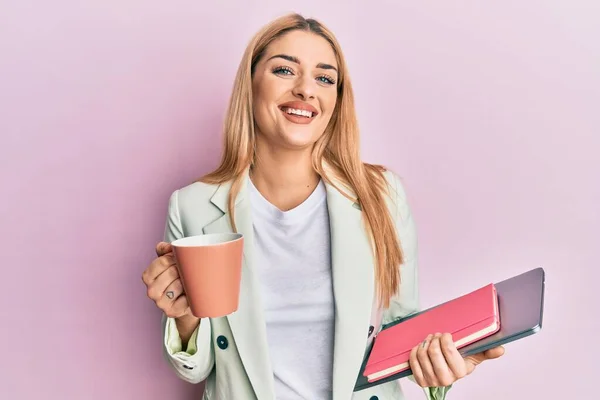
x=407, y=300
x=196, y=363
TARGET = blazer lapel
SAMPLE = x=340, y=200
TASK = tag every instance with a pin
x=247, y=323
x=353, y=279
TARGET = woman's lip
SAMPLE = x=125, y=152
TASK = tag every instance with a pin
x=297, y=119
x=299, y=105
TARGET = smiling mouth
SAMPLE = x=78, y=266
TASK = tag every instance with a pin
x=297, y=112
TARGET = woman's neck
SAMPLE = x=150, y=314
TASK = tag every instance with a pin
x=284, y=179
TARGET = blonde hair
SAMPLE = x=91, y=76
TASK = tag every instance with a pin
x=337, y=148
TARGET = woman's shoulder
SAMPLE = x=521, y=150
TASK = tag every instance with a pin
x=197, y=191
x=393, y=180
x=190, y=207
x=398, y=199
x=193, y=197
x=395, y=184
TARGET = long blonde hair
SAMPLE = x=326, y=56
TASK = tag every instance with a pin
x=337, y=148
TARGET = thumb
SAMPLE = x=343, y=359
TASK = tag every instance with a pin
x=494, y=353
x=163, y=248
x=489, y=354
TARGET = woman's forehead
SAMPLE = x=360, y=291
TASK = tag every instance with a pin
x=303, y=47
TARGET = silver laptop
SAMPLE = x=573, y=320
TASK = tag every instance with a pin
x=521, y=308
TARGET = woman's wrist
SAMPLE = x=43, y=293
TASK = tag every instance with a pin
x=186, y=326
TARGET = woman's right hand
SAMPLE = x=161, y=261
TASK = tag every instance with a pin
x=165, y=289
x=163, y=284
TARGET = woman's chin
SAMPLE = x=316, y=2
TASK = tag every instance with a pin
x=291, y=139
x=298, y=138
x=298, y=141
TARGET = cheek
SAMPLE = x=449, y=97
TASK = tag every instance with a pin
x=329, y=104
x=259, y=106
x=262, y=117
x=264, y=98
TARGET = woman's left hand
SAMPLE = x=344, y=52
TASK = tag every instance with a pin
x=436, y=362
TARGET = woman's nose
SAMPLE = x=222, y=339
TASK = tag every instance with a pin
x=304, y=89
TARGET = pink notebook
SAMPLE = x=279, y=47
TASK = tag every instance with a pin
x=468, y=318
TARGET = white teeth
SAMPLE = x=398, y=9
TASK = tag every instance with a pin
x=303, y=113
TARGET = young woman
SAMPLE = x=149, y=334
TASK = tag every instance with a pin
x=330, y=245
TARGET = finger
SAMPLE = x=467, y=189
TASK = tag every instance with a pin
x=171, y=294
x=425, y=363
x=455, y=361
x=158, y=286
x=415, y=367
x=174, y=290
x=442, y=372
x=494, y=353
x=157, y=267
x=178, y=308
x=478, y=358
x=163, y=248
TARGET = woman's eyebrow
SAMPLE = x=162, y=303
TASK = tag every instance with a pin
x=297, y=61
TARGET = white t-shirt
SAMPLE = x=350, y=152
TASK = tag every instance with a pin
x=294, y=268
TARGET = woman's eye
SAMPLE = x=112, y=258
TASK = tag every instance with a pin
x=283, y=71
x=287, y=71
x=326, y=79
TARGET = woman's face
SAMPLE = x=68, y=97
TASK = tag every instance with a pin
x=295, y=90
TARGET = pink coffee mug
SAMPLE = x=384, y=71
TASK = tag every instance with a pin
x=210, y=268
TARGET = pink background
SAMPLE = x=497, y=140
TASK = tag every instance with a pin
x=491, y=112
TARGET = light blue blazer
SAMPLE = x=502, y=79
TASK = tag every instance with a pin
x=231, y=353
